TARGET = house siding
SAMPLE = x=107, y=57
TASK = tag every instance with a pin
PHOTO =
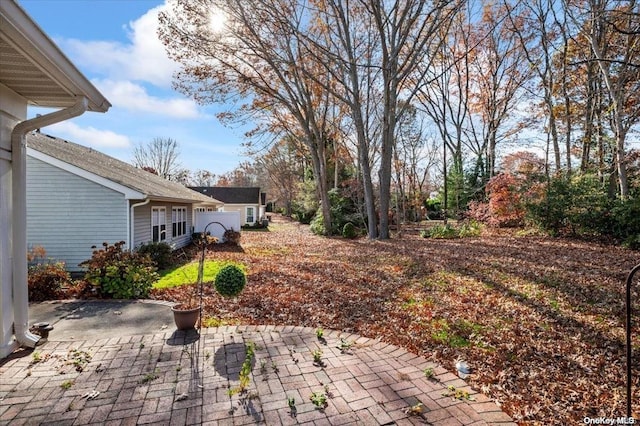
x=142, y=224
x=242, y=208
x=67, y=214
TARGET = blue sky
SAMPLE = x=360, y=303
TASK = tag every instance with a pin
x=114, y=44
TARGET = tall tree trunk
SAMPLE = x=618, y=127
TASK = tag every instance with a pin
x=319, y=165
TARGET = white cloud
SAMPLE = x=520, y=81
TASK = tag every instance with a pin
x=134, y=97
x=143, y=59
x=89, y=136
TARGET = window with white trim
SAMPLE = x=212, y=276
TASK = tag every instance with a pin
x=158, y=224
x=250, y=215
x=179, y=221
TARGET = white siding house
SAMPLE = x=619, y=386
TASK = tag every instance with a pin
x=248, y=201
x=68, y=223
x=79, y=198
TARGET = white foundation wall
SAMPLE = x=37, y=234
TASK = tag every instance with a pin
x=230, y=220
x=13, y=110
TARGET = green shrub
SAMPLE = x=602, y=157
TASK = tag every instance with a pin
x=582, y=206
x=343, y=211
x=120, y=274
x=317, y=224
x=470, y=228
x=626, y=222
x=45, y=281
x=348, y=230
x=230, y=281
x=160, y=253
x=440, y=232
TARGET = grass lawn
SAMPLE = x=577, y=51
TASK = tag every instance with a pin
x=540, y=320
x=187, y=274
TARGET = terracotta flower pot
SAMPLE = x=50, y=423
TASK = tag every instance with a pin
x=185, y=319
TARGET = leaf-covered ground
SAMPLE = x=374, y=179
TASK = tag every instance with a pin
x=540, y=320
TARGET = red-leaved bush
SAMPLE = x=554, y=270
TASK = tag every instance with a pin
x=505, y=207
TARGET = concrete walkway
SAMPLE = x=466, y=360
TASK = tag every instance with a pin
x=140, y=375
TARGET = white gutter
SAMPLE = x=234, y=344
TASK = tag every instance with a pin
x=19, y=217
x=132, y=221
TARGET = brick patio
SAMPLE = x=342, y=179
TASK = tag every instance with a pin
x=174, y=378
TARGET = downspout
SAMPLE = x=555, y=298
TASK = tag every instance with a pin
x=132, y=221
x=19, y=217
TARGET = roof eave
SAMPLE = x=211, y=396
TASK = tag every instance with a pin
x=27, y=37
x=183, y=200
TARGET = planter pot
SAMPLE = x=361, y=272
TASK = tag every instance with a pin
x=185, y=319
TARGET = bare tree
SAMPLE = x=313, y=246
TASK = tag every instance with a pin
x=537, y=27
x=444, y=94
x=372, y=49
x=499, y=71
x=258, y=58
x=202, y=178
x=161, y=156
x=615, y=43
x=283, y=167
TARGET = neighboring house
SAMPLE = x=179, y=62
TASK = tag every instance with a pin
x=249, y=201
x=78, y=197
x=33, y=71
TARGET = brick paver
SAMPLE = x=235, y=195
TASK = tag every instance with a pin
x=175, y=378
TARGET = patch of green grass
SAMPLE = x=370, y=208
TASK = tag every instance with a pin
x=438, y=281
x=209, y=322
x=443, y=333
x=268, y=251
x=417, y=303
x=411, y=302
x=187, y=274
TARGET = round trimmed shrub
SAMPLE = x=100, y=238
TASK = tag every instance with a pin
x=348, y=230
x=230, y=281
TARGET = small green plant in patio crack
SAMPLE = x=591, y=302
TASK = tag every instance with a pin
x=319, y=399
x=291, y=402
x=328, y=392
x=149, y=377
x=36, y=357
x=430, y=374
x=66, y=384
x=79, y=359
x=344, y=345
x=319, y=333
x=317, y=357
x=415, y=410
x=245, y=370
x=460, y=394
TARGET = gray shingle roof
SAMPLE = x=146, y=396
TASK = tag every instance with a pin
x=231, y=194
x=92, y=161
